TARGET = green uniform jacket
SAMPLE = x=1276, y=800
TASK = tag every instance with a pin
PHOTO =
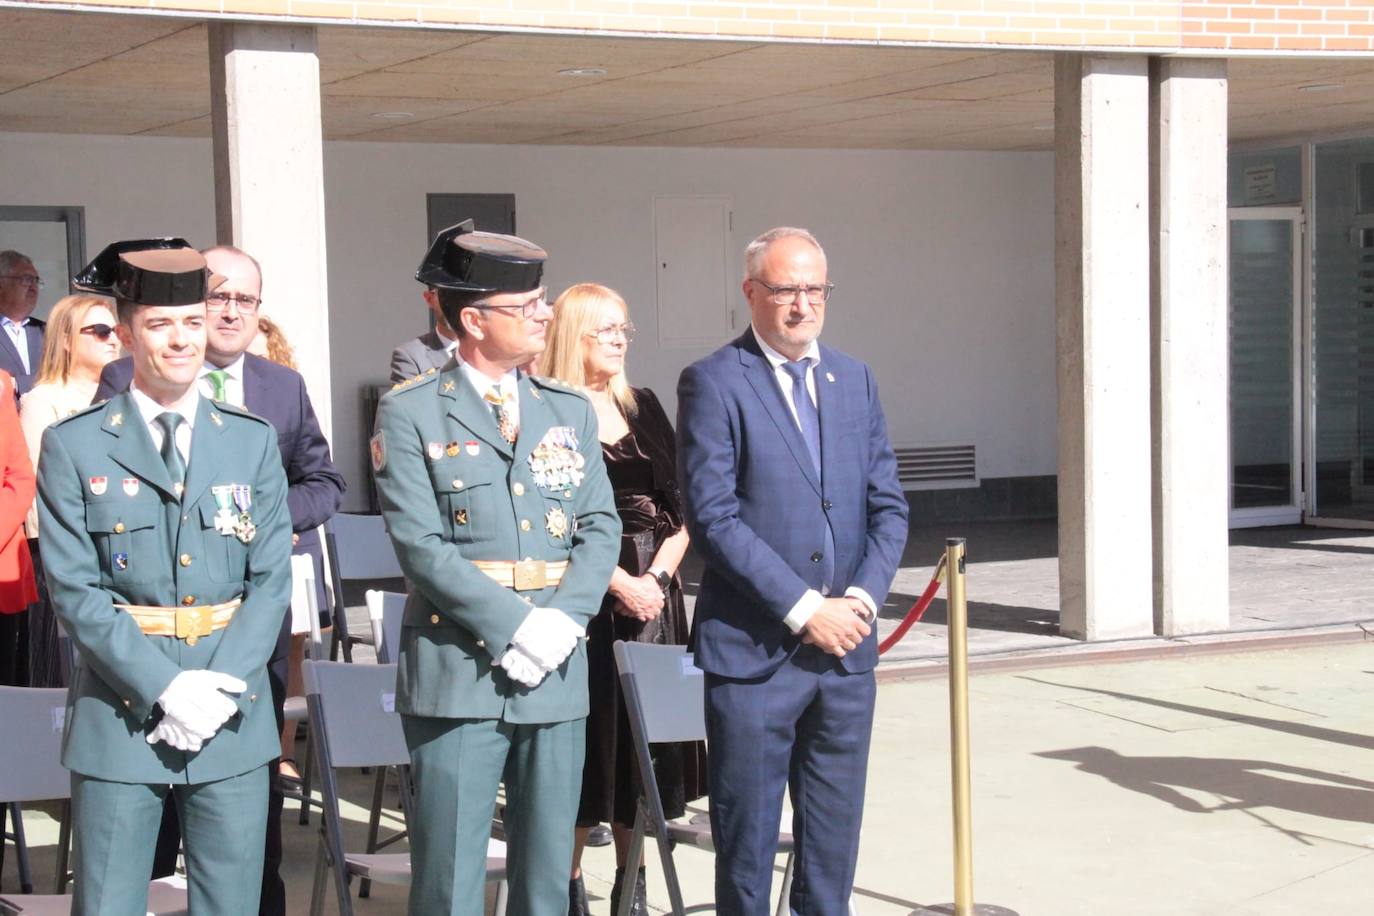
x=453, y=491
x=112, y=534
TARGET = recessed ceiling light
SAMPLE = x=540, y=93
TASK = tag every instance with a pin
x=1319, y=87
x=394, y=115
x=583, y=71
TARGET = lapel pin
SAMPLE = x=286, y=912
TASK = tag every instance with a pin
x=214, y=418
x=534, y=392
x=448, y=386
x=829, y=377
x=117, y=419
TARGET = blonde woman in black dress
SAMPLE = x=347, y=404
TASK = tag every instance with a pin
x=587, y=341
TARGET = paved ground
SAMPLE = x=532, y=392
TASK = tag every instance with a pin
x=1182, y=783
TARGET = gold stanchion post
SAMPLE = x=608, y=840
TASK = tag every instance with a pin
x=957, y=599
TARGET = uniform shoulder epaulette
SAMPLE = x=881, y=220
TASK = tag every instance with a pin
x=415, y=381
x=553, y=384
x=226, y=407
x=83, y=412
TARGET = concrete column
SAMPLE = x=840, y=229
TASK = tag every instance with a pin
x=269, y=179
x=1188, y=338
x=1102, y=276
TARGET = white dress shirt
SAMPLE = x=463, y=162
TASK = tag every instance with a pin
x=15, y=329
x=150, y=410
x=809, y=602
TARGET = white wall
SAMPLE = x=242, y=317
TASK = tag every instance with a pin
x=943, y=260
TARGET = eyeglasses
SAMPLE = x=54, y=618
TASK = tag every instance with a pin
x=218, y=302
x=610, y=332
x=25, y=280
x=527, y=309
x=786, y=295
x=99, y=331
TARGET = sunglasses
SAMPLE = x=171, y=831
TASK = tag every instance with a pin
x=98, y=331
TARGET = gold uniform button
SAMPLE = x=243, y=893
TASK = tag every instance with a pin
x=119, y=528
x=189, y=600
x=481, y=643
x=457, y=485
x=253, y=698
x=433, y=618
x=518, y=489
x=127, y=704
x=567, y=494
x=184, y=559
x=524, y=524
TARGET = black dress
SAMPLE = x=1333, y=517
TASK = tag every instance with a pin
x=643, y=473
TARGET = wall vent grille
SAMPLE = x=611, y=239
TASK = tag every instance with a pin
x=934, y=467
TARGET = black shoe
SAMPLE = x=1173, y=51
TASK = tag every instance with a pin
x=599, y=835
x=638, y=906
x=577, y=897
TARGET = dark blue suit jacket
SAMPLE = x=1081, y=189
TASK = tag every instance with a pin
x=756, y=510
x=11, y=362
x=315, y=487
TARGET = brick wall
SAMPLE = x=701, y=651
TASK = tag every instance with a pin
x=1257, y=25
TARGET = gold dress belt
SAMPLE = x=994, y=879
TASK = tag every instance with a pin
x=188, y=623
x=523, y=575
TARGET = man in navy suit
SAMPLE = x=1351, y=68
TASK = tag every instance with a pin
x=314, y=487
x=792, y=496
x=21, y=334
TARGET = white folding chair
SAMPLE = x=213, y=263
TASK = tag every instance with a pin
x=385, y=611
x=354, y=723
x=665, y=698
x=359, y=550
x=31, y=770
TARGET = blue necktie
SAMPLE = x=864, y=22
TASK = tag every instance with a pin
x=809, y=422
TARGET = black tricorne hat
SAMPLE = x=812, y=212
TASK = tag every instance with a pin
x=482, y=262
x=164, y=271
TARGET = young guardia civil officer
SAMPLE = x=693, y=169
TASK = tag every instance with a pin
x=168, y=541
x=497, y=501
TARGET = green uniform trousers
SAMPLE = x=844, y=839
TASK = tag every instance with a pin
x=457, y=765
x=116, y=827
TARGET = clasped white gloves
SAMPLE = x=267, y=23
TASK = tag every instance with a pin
x=540, y=645
x=194, y=707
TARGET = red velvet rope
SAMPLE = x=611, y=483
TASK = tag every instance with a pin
x=917, y=610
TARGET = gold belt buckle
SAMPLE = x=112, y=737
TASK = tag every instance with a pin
x=193, y=623
x=531, y=575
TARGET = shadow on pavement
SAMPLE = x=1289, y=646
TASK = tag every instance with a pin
x=1237, y=784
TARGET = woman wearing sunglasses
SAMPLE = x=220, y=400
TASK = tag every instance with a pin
x=77, y=344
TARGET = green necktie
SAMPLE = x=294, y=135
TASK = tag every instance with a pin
x=171, y=456
x=217, y=379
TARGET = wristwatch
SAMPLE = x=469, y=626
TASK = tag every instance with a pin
x=662, y=578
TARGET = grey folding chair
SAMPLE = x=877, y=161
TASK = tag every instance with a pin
x=305, y=609
x=359, y=549
x=665, y=698
x=31, y=770
x=384, y=612
x=354, y=724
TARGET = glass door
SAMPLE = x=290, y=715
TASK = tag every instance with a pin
x=1265, y=362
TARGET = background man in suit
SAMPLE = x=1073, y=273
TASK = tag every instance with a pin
x=498, y=504
x=431, y=350
x=315, y=487
x=21, y=343
x=164, y=517
x=792, y=495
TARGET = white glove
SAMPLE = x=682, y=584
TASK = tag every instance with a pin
x=521, y=668
x=171, y=733
x=548, y=636
x=195, y=703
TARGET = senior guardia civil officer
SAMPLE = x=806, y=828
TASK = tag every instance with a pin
x=168, y=539
x=792, y=495
x=503, y=518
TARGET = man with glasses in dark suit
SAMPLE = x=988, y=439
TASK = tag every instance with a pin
x=21, y=343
